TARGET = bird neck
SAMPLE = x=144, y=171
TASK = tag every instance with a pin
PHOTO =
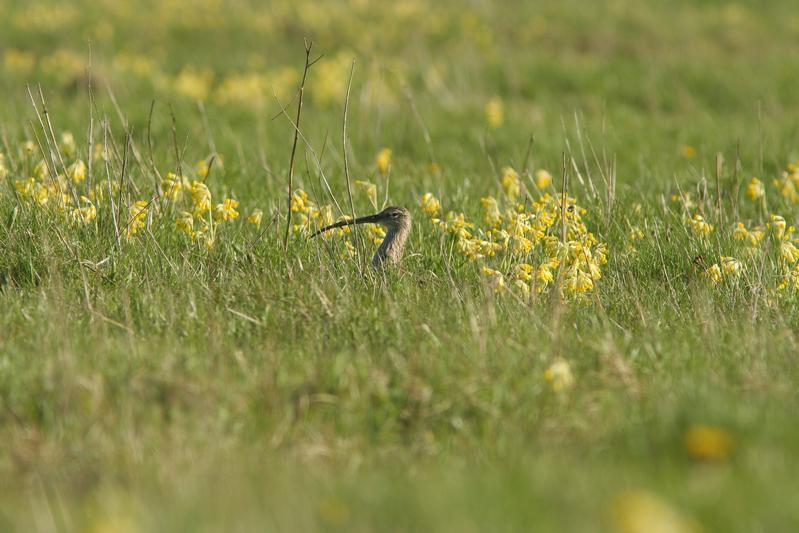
x=390, y=250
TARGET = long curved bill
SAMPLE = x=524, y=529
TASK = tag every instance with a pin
x=360, y=220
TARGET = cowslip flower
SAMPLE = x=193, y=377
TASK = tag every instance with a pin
x=708, y=443
x=172, y=185
x=495, y=279
x=138, y=216
x=699, y=226
x=68, y=146
x=559, y=376
x=185, y=223
x=300, y=202
x=510, y=183
x=201, y=196
x=383, y=160
x=637, y=511
x=3, y=168
x=493, y=218
x=495, y=112
x=712, y=274
x=255, y=217
x=777, y=225
x=731, y=267
x=429, y=204
x=788, y=252
x=522, y=287
x=226, y=210
x=755, y=189
x=375, y=234
x=688, y=152
x=543, y=179
x=77, y=172
x=84, y=215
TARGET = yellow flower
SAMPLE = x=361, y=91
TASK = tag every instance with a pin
x=429, y=204
x=41, y=194
x=495, y=112
x=138, y=216
x=511, y=183
x=788, y=252
x=40, y=171
x=636, y=234
x=3, y=168
x=543, y=179
x=559, y=376
x=299, y=201
x=755, y=189
x=255, y=217
x=68, y=145
x=370, y=189
x=699, y=226
x=203, y=166
x=637, y=511
x=523, y=271
x=349, y=250
x=193, y=83
x=376, y=234
x=84, y=215
x=688, y=152
x=492, y=215
x=522, y=287
x=708, y=443
x=78, y=172
x=383, y=160
x=201, y=196
x=226, y=210
x=731, y=267
x=434, y=169
x=99, y=152
x=172, y=185
x=578, y=281
x=185, y=223
x=752, y=238
x=495, y=279
x=19, y=62
x=685, y=199
x=777, y=225
x=25, y=187
x=713, y=274
x=544, y=274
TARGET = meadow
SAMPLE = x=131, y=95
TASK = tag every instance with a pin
x=593, y=327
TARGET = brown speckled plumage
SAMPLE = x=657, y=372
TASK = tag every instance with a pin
x=396, y=220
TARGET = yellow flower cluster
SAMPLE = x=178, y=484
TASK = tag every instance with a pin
x=708, y=443
x=774, y=241
x=755, y=189
x=531, y=243
x=559, y=376
x=699, y=226
x=788, y=184
x=64, y=189
x=495, y=112
x=383, y=160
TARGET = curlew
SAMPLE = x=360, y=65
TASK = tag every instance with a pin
x=396, y=220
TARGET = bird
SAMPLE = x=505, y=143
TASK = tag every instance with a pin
x=396, y=220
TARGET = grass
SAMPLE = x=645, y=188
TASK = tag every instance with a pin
x=151, y=384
